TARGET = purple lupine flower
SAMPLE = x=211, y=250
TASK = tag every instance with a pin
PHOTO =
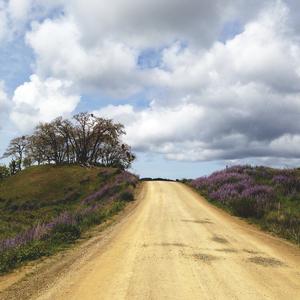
x=288, y=181
x=103, y=191
x=34, y=233
x=41, y=230
x=236, y=184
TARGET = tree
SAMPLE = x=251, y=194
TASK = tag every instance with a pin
x=16, y=150
x=85, y=139
x=4, y=172
x=116, y=155
x=50, y=141
x=13, y=167
x=27, y=162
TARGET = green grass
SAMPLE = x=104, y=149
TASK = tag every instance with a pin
x=38, y=194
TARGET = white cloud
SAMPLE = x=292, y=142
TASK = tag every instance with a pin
x=15, y=15
x=263, y=53
x=109, y=67
x=97, y=46
x=144, y=23
x=124, y=114
x=235, y=100
x=42, y=100
x=19, y=9
x=145, y=129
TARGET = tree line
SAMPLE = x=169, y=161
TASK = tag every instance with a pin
x=84, y=139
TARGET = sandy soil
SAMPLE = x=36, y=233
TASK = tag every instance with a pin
x=174, y=245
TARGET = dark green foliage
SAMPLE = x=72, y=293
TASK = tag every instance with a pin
x=127, y=196
x=65, y=233
x=244, y=208
x=13, y=167
x=184, y=180
x=4, y=172
x=92, y=219
x=14, y=257
x=155, y=179
x=116, y=207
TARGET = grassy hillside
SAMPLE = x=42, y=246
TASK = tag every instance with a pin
x=266, y=196
x=43, y=208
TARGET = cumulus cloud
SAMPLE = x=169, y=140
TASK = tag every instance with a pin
x=15, y=15
x=42, y=100
x=145, y=23
x=98, y=46
x=109, y=67
x=19, y=9
x=263, y=53
x=235, y=100
x=144, y=127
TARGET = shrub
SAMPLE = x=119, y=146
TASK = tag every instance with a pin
x=65, y=233
x=32, y=251
x=4, y=172
x=127, y=196
x=11, y=258
x=244, y=208
x=116, y=207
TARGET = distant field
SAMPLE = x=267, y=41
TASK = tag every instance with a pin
x=45, y=207
x=266, y=196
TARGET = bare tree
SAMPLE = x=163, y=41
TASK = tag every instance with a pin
x=116, y=155
x=16, y=149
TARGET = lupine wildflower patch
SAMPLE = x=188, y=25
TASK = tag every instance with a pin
x=270, y=197
x=45, y=208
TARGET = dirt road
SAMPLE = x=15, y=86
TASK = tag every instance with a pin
x=177, y=246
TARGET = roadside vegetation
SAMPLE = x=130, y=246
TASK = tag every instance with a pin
x=45, y=208
x=268, y=197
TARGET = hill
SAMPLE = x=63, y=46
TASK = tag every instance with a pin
x=269, y=197
x=45, y=207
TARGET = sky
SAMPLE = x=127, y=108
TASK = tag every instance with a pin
x=198, y=84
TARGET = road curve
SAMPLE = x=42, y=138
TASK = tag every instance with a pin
x=177, y=246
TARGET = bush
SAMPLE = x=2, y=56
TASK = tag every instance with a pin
x=32, y=251
x=8, y=260
x=11, y=258
x=4, y=172
x=127, y=196
x=116, y=207
x=65, y=233
x=244, y=208
x=93, y=219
